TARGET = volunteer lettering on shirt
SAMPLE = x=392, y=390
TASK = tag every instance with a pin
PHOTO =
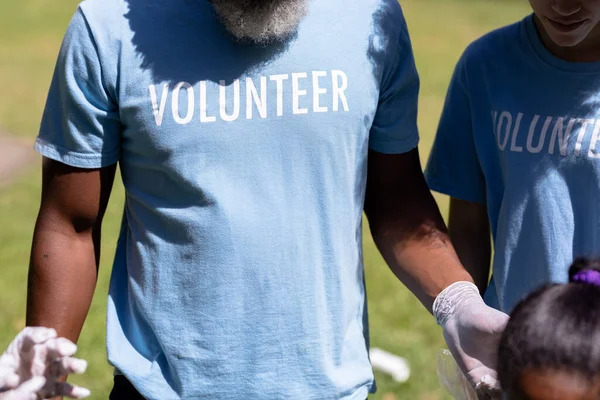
x=311, y=92
x=518, y=132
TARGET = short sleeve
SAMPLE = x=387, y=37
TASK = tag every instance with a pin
x=80, y=125
x=453, y=167
x=394, y=128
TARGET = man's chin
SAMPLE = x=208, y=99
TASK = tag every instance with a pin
x=262, y=40
x=271, y=21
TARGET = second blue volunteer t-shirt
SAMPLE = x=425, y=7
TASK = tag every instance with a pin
x=520, y=131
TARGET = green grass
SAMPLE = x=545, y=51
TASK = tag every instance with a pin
x=30, y=32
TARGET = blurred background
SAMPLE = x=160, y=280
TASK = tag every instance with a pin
x=30, y=35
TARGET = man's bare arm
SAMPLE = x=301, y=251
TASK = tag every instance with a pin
x=66, y=246
x=469, y=228
x=407, y=226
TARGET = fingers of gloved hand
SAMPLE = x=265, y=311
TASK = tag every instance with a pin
x=38, y=334
x=8, y=362
x=65, y=389
x=26, y=391
x=60, y=347
x=30, y=336
x=33, y=385
x=8, y=372
x=66, y=366
x=10, y=381
x=483, y=377
x=12, y=395
x=489, y=386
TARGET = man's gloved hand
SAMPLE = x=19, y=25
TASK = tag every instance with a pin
x=33, y=364
x=472, y=331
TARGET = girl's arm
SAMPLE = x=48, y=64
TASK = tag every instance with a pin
x=470, y=234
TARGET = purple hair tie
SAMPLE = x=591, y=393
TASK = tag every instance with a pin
x=589, y=276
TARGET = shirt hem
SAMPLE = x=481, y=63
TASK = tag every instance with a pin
x=442, y=188
x=72, y=158
x=395, y=147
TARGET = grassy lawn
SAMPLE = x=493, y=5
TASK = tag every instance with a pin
x=31, y=31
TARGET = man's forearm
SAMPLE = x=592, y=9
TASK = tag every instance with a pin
x=414, y=242
x=425, y=263
x=62, y=279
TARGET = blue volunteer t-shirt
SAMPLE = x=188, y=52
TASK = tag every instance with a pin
x=520, y=131
x=239, y=271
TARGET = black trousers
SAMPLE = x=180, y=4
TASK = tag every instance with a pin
x=124, y=390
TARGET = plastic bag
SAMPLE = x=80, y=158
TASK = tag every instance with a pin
x=452, y=379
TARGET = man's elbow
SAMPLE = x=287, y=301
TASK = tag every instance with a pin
x=71, y=223
x=385, y=218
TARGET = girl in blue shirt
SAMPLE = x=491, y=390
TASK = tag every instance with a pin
x=518, y=150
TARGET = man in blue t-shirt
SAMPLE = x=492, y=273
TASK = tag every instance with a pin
x=518, y=150
x=243, y=131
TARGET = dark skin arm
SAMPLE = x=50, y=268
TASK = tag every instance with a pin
x=407, y=226
x=66, y=246
x=470, y=232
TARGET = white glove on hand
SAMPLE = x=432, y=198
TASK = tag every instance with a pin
x=34, y=361
x=472, y=331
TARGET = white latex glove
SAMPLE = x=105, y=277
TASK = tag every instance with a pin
x=37, y=355
x=472, y=331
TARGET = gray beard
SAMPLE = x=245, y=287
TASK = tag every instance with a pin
x=261, y=21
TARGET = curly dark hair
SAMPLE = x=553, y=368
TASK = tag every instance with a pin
x=556, y=328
